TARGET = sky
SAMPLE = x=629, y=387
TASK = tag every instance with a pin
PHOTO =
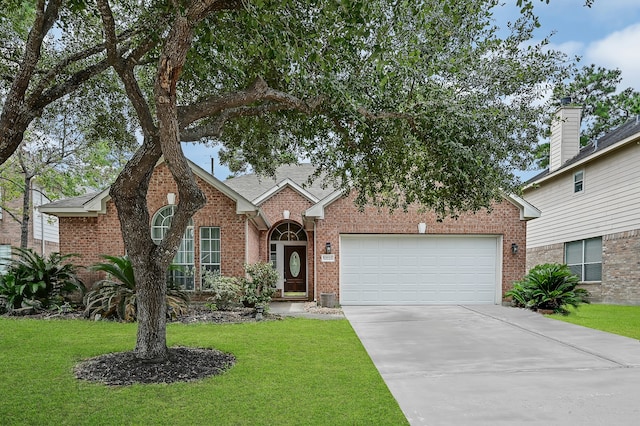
x=607, y=34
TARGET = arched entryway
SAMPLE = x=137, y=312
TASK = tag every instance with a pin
x=288, y=255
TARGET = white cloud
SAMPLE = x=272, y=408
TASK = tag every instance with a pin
x=571, y=48
x=618, y=50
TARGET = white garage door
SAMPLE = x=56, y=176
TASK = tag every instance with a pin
x=418, y=269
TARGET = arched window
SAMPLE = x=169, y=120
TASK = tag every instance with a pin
x=184, y=260
x=288, y=231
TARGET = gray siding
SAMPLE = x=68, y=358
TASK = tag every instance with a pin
x=609, y=203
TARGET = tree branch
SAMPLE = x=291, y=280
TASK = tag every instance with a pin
x=214, y=129
x=236, y=104
x=78, y=56
x=12, y=125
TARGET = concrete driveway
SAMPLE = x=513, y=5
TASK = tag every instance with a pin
x=493, y=365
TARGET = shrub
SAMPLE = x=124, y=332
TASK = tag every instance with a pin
x=549, y=286
x=226, y=290
x=35, y=281
x=115, y=296
x=261, y=285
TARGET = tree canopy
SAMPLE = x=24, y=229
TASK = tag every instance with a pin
x=401, y=101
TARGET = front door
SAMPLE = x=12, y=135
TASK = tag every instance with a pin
x=295, y=269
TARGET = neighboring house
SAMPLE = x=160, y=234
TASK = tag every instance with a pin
x=318, y=240
x=41, y=224
x=590, y=203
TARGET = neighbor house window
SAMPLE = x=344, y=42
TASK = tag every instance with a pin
x=578, y=181
x=210, y=249
x=182, y=272
x=584, y=257
x=5, y=257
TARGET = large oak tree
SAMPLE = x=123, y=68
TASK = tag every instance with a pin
x=401, y=101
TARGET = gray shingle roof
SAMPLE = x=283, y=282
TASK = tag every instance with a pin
x=617, y=135
x=78, y=201
x=252, y=186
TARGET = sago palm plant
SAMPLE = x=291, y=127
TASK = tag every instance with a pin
x=115, y=296
x=549, y=286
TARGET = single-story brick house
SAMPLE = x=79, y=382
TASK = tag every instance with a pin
x=318, y=240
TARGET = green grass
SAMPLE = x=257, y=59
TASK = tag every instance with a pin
x=290, y=372
x=623, y=320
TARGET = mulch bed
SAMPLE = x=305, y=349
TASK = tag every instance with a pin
x=184, y=365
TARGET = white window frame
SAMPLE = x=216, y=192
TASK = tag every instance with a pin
x=5, y=253
x=184, y=258
x=208, y=257
x=578, y=183
x=582, y=265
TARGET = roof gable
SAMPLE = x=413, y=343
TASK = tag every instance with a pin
x=296, y=176
x=94, y=204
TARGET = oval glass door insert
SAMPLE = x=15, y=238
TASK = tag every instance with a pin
x=294, y=264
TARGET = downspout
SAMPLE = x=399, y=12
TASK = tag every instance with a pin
x=246, y=239
x=42, y=231
x=315, y=267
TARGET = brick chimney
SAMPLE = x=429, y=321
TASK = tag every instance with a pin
x=565, y=135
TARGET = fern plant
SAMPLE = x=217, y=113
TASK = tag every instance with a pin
x=550, y=286
x=115, y=296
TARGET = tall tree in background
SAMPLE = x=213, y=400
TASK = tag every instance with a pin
x=66, y=152
x=604, y=105
x=56, y=90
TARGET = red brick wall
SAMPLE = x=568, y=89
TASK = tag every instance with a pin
x=92, y=237
x=343, y=217
x=286, y=199
x=620, y=267
x=253, y=250
x=95, y=236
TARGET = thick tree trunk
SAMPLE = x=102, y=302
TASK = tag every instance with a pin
x=129, y=194
x=150, y=261
x=26, y=213
x=151, y=342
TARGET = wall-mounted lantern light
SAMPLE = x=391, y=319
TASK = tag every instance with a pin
x=327, y=248
x=514, y=248
x=286, y=214
x=171, y=198
x=422, y=228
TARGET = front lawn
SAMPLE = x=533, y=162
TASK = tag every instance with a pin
x=290, y=372
x=623, y=320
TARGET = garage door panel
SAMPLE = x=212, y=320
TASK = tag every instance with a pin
x=401, y=269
